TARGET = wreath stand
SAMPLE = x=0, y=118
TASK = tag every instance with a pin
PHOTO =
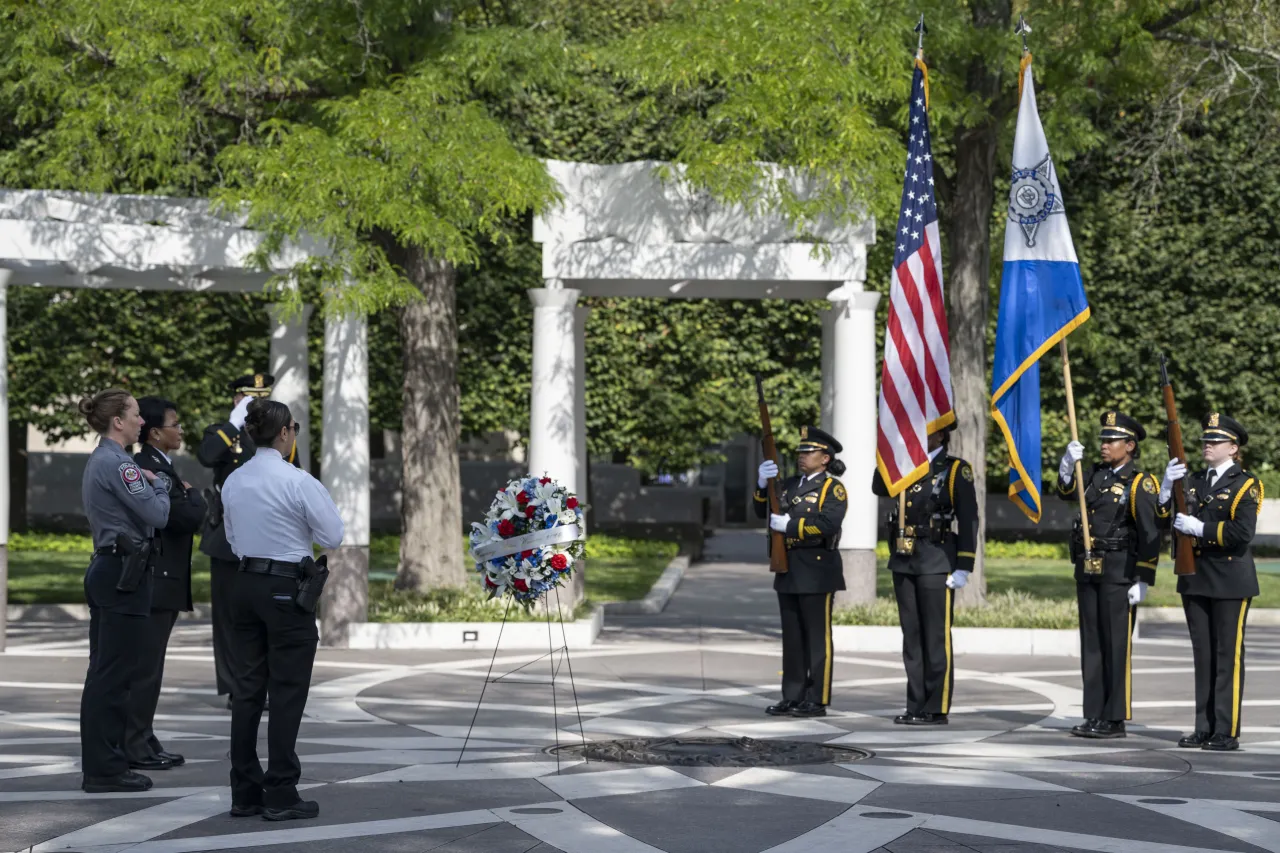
x=552, y=650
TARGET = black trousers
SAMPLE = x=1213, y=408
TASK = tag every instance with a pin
x=275, y=643
x=222, y=578
x=1106, y=649
x=806, y=647
x=140, y=740
x=115, y=659
x=1217, y=646
x=926, y=607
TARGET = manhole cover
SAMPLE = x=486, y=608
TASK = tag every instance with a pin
x=712, y=752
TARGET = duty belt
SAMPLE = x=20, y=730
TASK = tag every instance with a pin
x=275, y=568
x=1105, y=543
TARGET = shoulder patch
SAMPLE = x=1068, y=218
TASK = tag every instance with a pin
x=838, y=492
x=966, y=472
x=1149, y=485
x=1255, y=493
x=164, y=479
x=132, y=478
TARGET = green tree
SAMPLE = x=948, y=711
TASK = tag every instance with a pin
x=822, y=86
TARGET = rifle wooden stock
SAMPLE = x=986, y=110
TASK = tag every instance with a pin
x=1184, y=562
x=777, y=542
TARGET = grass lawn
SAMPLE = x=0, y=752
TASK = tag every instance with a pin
x=617, y=570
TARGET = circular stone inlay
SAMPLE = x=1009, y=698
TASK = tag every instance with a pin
x=712, y=752
x=528, y=810
x=1163, y=802
x=885, y=815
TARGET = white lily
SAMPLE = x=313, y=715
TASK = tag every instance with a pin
x=545, y=492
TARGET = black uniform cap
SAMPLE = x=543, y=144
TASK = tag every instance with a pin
x=1119, y=425
x=812, y=438
x=1218, y=427
x=254, y=384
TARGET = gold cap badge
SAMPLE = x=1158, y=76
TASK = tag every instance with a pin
x=804, y=432
x=257, y=380
x=1111, y=418
x=1213, y=419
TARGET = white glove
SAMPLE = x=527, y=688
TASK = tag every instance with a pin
x=768, y=470
x=1138, y=593
x=1189, y=525
x=1067, y=467
x=1173, y=472
x=957, y=579
x=240, y=412
x=779, y=522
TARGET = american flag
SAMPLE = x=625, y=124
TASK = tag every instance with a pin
x=915, y=382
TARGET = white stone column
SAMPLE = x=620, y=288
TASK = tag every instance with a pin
x=827, y=399
x=4, y=455
x=288, y=364
x=853, y=423
x=582, y=482
x=344, y=468
x=554, y=439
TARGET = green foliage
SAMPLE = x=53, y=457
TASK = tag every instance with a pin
x=448, y=604
x=600, y=547
x=1003, y=610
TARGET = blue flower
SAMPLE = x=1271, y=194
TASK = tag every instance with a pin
x=551, y=521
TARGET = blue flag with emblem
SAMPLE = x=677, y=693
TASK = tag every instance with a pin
x=1042, y=297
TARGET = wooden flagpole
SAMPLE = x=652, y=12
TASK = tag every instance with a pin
x=1071, y=419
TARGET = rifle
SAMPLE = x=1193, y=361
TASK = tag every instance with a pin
x=1184, y=561
x=777, y=542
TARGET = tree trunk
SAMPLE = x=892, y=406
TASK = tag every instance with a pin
x=431, y=485
x=969, y=231
x=17, y=477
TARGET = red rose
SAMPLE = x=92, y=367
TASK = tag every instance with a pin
x=522, y=498
x=488, y=582
x=519, y=584
x=529, y=511
x=559, y=562
x=506, y=528
x=545, y=480
x=524, y=555
x=571, y=503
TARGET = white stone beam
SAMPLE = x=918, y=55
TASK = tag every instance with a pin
x=68, y=206
x=344, y=469
x=289, y=366
x=675, y=262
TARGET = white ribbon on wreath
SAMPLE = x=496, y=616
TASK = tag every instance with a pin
x=527, y=542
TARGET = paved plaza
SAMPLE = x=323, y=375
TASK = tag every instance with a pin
x=381, y=747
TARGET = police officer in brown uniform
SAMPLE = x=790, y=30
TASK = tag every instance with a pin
x=941, y=533
x=1223, y=502
x=814, y=503
x=224, y=448
x=1126, y=545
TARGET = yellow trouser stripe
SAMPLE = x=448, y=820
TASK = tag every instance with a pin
x=946, y=679
x=224, y=437
x=1128, y=669
x=1235, y=676
x=826, y=670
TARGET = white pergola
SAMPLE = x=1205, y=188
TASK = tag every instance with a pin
x=622, y=231
x=72, y=240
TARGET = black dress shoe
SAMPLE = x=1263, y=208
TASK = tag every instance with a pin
x=299, y=810
x=172, y=757
x=928, y=720
x=122, y=783
x=782, y=709
x=809, y=709
x=904, y=719
x=246, y=811
x=1195, y=740
x=1085, y=728
x=151, y=762
x=1221, y=743
x=1106, y=729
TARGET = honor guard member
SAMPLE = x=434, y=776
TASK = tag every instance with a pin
x=171, y=584
x=813, y=503
x=274, y=511
x=932, y=552
x=1223, y=502
x=224, y=448
x=1113, y=580
x=123, y=505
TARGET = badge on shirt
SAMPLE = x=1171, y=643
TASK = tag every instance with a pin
x=1117, y=489
x=164, y=479
x=132, y=478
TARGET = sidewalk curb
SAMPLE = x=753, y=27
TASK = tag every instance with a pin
x=579, y=634
x=659, y=594
x=964, y=641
